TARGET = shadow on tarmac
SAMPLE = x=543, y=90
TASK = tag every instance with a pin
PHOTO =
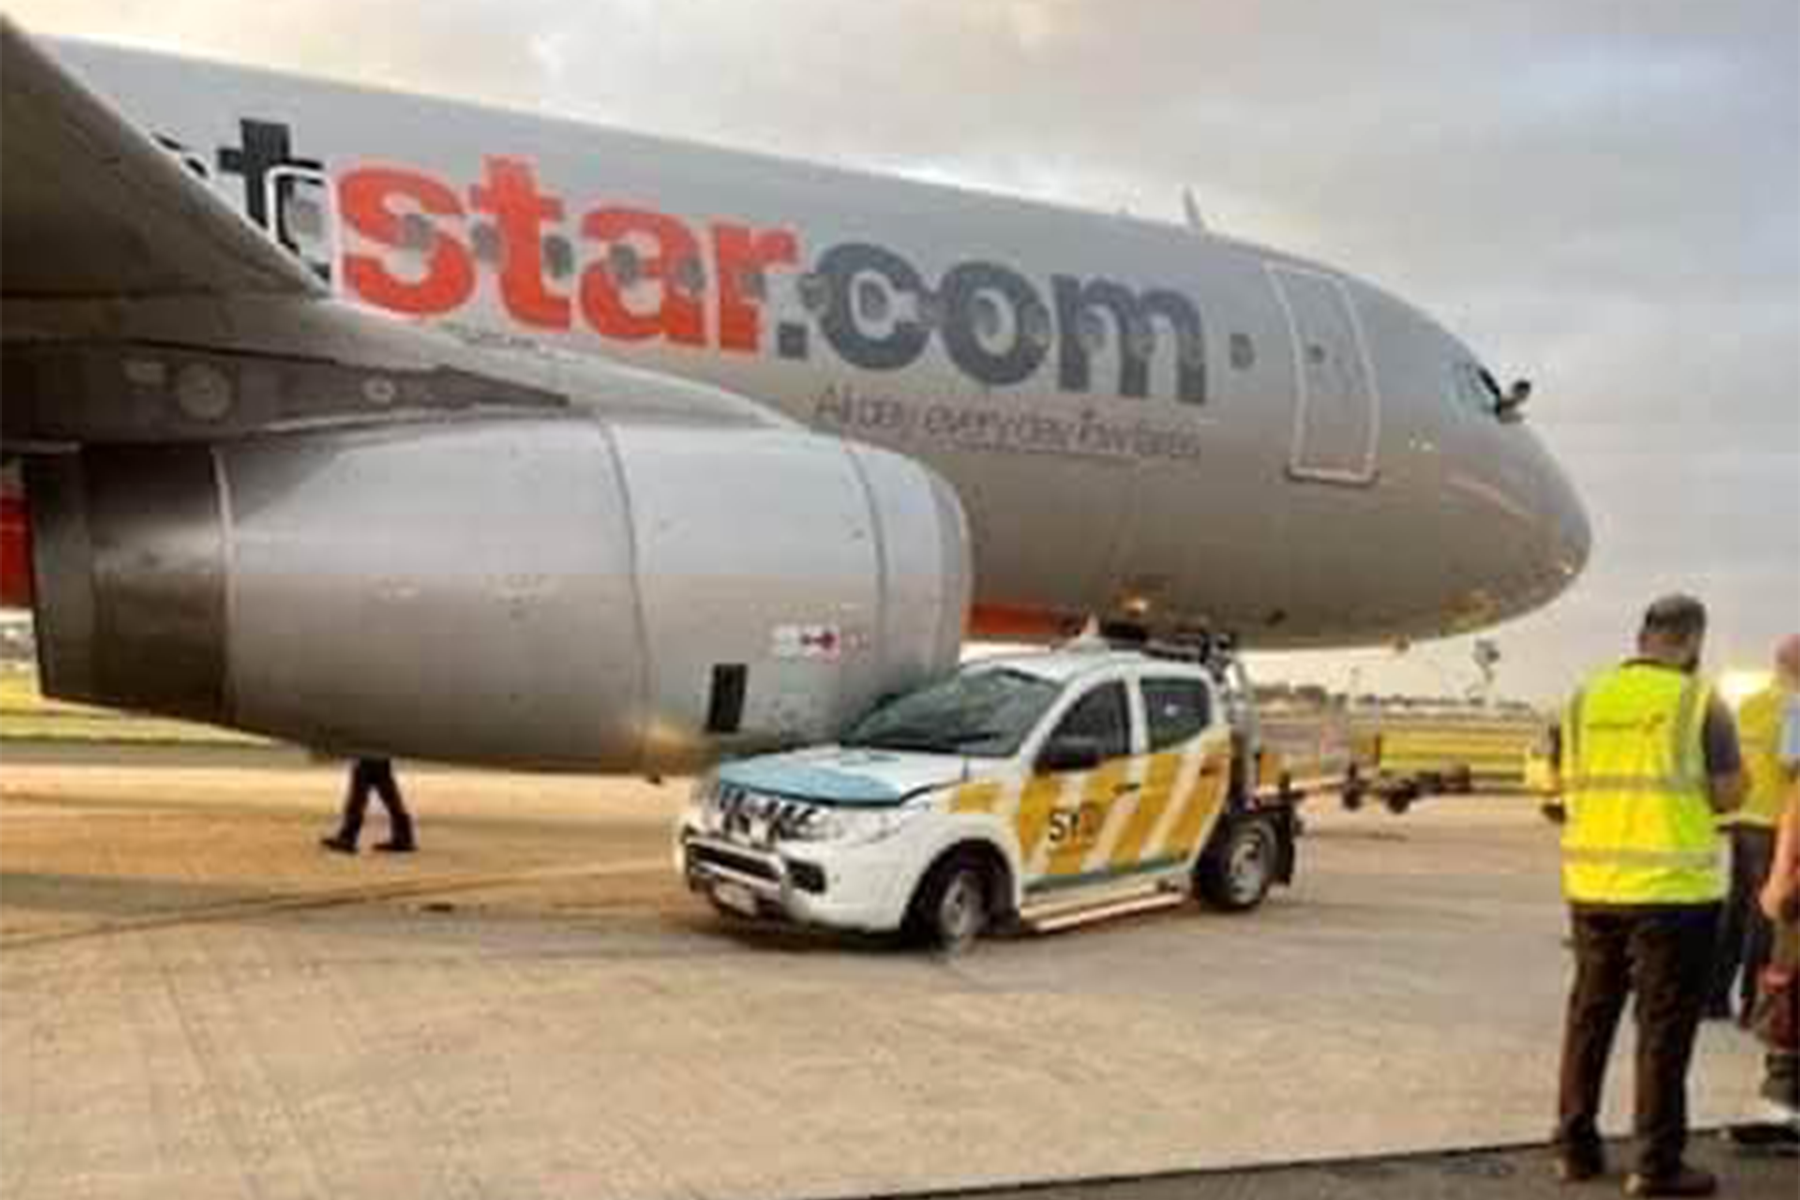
x=1493, y=1173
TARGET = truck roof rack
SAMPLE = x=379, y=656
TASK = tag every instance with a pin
x=1215, y=653
x=1204, y=648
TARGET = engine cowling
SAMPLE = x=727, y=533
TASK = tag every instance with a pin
x=545, y=593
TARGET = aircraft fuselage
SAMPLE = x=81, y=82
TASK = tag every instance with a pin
x=1140, y=419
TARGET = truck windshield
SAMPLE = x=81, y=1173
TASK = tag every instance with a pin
x=985, y=714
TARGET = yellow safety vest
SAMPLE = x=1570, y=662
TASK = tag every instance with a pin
x=1759, y=733
x=1640, y=826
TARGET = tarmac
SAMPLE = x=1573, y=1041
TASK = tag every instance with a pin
x=196, y=1001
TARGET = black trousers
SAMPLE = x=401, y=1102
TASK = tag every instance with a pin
x=1664, y=955
x=375, y=775
x=1744, y=933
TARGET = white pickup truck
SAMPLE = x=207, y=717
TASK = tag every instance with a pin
x=1040, y=788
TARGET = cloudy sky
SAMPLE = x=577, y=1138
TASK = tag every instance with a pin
x=1602, y=195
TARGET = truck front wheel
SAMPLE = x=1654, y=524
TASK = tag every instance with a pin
x=954, y=904
x=1236, y=873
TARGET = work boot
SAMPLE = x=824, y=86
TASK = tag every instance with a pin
x=397, y=845
x=1768, y=1136
x=339, y=843
x=1781, y=1083
x=1685, y=1181
x=1579, y=1165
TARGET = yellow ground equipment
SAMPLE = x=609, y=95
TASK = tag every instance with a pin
x=1400, y=760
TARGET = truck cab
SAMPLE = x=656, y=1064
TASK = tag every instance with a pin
x=1018, y=789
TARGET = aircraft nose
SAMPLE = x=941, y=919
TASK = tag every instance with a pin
x=1570, y=534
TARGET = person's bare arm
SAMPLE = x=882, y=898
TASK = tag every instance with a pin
x=1781, y=893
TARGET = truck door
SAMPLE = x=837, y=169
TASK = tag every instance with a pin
x=1185, y=779
x=1337, y=414
x=1063, y=815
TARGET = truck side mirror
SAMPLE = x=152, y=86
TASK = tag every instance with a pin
x=1070, y=752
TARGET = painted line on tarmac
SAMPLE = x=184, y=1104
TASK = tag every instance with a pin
x=322, y=898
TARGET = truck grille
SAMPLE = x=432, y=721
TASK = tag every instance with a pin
x=701, y=854
x=756, y=818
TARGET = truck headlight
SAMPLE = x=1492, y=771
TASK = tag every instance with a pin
x=849, y=826
x=705, y=795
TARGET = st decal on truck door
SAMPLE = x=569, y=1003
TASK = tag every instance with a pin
x=1084, y=827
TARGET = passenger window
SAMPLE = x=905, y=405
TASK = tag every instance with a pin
x=1140, y=338
x=987, y=318
x=871, y=301
x=814, y=291
x=752, y=284
x=1092, y=332
x=1243, y=352
x=417, y=232
x=623, y=264
x=484, y=239
x=1102, y=714
x=1176, y=710
x=689, y=277
x=930, y=310
x=559, y=256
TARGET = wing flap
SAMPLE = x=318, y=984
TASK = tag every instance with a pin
x=93, y=208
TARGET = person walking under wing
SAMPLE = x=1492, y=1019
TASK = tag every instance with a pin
x=373, y=775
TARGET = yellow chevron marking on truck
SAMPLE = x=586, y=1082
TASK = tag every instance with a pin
x=1081, y=825
x=976, y=797
x=1035, y=803
x=1201, y=802
x=1159, y=786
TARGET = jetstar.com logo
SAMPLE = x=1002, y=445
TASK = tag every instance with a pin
x=406, y=240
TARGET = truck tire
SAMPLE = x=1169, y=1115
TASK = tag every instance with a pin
x=953, y=905
x=1236, y=873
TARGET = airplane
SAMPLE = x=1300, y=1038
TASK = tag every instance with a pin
x=380, y=423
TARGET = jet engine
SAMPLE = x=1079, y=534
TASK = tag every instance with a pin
x=544, y=592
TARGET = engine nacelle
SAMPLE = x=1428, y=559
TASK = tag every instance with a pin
x=545, y=593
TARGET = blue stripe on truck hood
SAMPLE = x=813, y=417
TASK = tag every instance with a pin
x=813, y=780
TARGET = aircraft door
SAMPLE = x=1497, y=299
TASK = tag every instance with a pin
x=1337, y=411
x=304, y=215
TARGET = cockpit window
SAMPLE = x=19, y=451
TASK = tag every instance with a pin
x=1490, y=389
x=1472, y=388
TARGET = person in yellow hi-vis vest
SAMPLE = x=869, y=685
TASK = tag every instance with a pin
x=1744, y=932
x=1776, y=1018
x=1645, y=758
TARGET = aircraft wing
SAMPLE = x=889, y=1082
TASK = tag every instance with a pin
x=96, y=209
